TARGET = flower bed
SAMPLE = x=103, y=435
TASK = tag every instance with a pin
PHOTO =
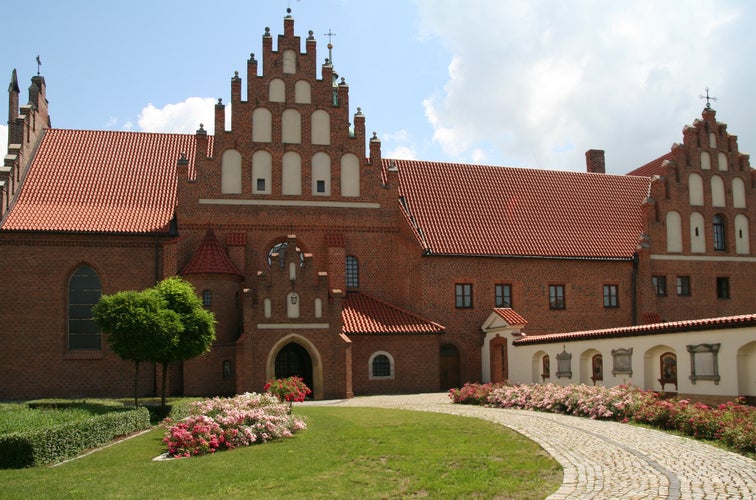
x=227, y=423
x=733, y=423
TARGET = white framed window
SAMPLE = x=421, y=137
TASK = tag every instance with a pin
x=381, y=366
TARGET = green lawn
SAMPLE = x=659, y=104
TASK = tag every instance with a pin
x=344, y=453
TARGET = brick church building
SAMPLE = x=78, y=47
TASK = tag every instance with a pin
x=319, y=257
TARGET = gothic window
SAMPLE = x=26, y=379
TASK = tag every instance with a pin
x=674, y=232
x=611, y=298
x=712, y=140
x=720, y=237
x=321, y=128
x=697, y=237
x=717, y=191
x=291, y=174
x=350, y=175
x=302, y=92
x=277, y=90
x=231, y=172
x=277, y=254
x=321, y=174
x=84, y=290
x=463, y=295
x=705, y=160
x=262, y=125
x=289, y=61
x=291, y=127
x=742, y=237
x=722, y=161
x=352, y=272
x=502, y=295
x=695, y=187
x=381, y=366
x=292, y=305
x=556, y=297
x=738, y=193
x=262, y=166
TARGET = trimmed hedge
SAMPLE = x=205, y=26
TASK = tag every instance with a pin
x=60, y=442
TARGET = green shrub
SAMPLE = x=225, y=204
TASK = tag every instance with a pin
x=59, y=442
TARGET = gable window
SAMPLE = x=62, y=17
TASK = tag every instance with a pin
x=660, y=285
x=84, y=290
x=723, y=287
x=610, y=296
x=720, y=242
x=463, y=295
x=683, y=285
x=556, y=297
x=503, y=294
x=352, y=272
x=381, y=366
x=207, y=298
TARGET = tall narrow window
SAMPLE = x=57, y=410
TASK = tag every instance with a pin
x=463, y=295
x=352, y=272
x=610, y=296
x=720, y=241
x=723, y=287
x=683, y=285
x=503, y=295
x=660, y=285
x=556, y=297
x=207, y=298
x=84, y=290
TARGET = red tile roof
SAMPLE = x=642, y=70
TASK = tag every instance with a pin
x=510, y=316
x=363, y=314
x=210, y=258
x=653, y=167
x=740, y=321
x=101, y=181
x=483, y=210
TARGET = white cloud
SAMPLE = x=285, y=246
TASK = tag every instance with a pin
x=537, y=84
x=3, y=140
x=401, y=152
x=183, y=117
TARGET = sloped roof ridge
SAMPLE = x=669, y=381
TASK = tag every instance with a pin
x=356, y=299
x=654, y=167
x=210, y=258
x=737, y=321
x=510, y=316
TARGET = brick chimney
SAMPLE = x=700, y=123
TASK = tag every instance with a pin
x=594, y=161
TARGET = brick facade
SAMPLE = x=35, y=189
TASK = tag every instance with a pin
x=282, y=312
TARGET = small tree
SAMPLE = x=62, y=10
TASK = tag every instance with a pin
x=140, y=327
x=198, y=331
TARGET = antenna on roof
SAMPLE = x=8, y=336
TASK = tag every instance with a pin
x=708, y=98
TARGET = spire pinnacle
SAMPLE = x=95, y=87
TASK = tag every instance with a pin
x=13, y=87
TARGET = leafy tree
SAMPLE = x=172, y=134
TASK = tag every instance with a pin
x=140, y=327
x=198, y=323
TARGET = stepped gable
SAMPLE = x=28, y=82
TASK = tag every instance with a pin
x=462, y=209
x=362, y=314
x=210, y=258
x=102, y=181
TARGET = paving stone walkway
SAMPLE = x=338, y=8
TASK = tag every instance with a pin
x=606, y=460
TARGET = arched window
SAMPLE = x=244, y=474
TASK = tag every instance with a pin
x=292, y=305
x=738, y=193
x=278, y=253
x=720, y=239
x=277, y=90
x=321, y=174
x=289, y=61
x=381, y=366
x=695, y=187
x=231, y=172
x=262, y=172
x=291, y=127
x=291, y=174
x=722, y=161
x=674, y=232
x=697, y=233
x=742, y=236
x=705, y=160
x=350, y=175
x=262, y=125
x=84, y=291
x=302, y=92
x=717, y=191
x=321, y=127
x=352, y=272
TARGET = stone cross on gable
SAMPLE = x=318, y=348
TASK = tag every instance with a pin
x=708, y=98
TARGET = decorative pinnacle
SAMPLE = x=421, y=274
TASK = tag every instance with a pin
x=708, y=98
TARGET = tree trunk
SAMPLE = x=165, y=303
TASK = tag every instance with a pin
x=136, y=384
x=162, y=390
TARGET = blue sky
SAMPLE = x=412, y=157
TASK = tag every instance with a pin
x=513, y=83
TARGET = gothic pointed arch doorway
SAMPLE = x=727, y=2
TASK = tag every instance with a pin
x=293, y=360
